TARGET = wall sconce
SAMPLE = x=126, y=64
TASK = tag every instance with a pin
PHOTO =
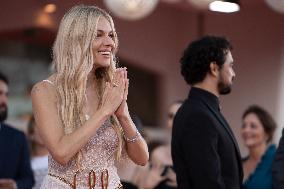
x=131, y=9
x=226, y=6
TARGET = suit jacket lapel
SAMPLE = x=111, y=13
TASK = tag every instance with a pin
x=225, y=125
x=229, y=131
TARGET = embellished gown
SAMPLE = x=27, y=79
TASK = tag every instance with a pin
x=98, y=165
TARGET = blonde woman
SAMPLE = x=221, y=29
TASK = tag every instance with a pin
x=81, y=110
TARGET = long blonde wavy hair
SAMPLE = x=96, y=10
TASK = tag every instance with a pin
x=73, y=60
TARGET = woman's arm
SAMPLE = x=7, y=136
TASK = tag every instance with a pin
x=136, y=146
x=63, y=146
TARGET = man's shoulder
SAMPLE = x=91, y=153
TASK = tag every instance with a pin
x=193, y=107
x=194, y=115
x=11, y=131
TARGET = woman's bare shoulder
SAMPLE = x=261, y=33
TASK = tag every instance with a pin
x=44, y=88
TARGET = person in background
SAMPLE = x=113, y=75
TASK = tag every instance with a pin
x=161, y=174
x=39, y=153
x=257, y=132
x=278, y=165
x=15, y=167
x=204, y=150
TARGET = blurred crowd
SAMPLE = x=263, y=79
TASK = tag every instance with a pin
x=24, y=159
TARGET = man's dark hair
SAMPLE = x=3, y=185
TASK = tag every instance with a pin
x=4, y=78
x=264, y=117
x=196, y=59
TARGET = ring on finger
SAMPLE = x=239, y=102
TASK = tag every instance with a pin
x=115, y=85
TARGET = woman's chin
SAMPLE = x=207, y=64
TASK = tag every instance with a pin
x=102, y=65
x=253, y=145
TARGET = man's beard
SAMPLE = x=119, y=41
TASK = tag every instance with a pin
x=223, y=88
x=3, y=112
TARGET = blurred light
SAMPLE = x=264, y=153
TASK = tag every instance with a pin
x=131, y=9
x=44, y=20
x=276, y=5
x=50, y=8
x=224, y=6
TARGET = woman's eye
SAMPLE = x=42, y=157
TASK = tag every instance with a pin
x=111, y=36
x=253, y=126
x=98, y=35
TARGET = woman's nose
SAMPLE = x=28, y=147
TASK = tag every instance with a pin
x=108, y=41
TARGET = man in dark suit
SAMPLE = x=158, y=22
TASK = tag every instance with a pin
x=15, y=168
x=278, y=165
x=204, y=150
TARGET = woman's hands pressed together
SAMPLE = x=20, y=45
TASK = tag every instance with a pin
x=115, y=94
x=122, y=111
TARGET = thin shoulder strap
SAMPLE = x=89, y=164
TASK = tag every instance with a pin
x=48, y=81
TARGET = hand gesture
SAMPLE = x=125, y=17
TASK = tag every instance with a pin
x=122, y=110
x=114, y=93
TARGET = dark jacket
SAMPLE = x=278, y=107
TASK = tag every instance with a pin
x=15, y=158
x=204, y=150
x=278, y=166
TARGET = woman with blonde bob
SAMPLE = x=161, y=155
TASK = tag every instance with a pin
x=81, y=110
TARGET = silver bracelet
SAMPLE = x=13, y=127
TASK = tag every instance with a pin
x=133, y=139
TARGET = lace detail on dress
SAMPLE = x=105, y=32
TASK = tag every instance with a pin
x=98, y=154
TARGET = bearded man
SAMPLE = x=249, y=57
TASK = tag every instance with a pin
x=15, y=168
x=204, y=150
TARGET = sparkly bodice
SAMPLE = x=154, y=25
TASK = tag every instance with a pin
x=98, y=154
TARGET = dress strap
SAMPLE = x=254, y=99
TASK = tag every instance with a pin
x=48, y=81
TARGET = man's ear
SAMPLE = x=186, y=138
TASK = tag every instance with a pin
x=214, y=69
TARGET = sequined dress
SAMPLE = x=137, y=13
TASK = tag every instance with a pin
x=98, y=155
